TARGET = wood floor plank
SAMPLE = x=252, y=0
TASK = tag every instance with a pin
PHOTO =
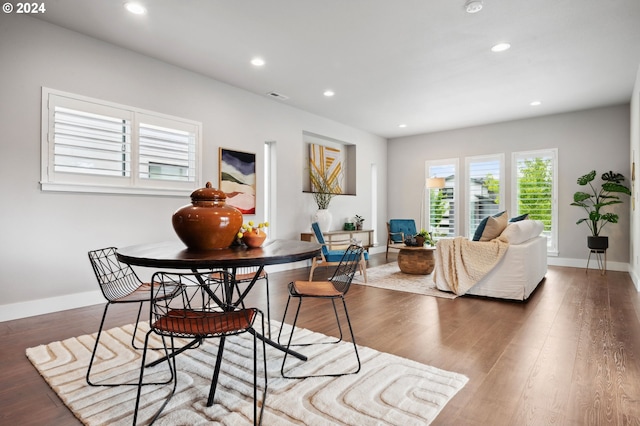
x=570, y=355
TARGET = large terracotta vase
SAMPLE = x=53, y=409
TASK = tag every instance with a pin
x=208, y=223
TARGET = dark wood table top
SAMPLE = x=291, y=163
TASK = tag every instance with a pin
x=175, y=255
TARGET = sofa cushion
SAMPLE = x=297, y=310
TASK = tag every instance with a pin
x=519, y=218
x=521, y=232
x=336, y=255
x=491, y=227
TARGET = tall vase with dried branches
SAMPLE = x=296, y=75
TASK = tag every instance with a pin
x=323, y=190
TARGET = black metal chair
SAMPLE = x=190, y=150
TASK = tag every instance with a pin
x=335, y=288
x=119, y=284
x=202, y=309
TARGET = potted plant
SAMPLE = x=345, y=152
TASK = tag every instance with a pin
x=593, y=202
x=359, y=221
x=323, y=189
x=423, y=237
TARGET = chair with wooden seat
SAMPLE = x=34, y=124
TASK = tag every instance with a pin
x=119, y=284
x=397, y=231
x=333, y=289
x=202, y=309
x=329, y=257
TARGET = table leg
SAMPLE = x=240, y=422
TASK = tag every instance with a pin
x=279, y=346
x=176, y=352
x=216, y=372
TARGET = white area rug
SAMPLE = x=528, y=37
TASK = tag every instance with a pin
x=389, y=276
x=388, y=390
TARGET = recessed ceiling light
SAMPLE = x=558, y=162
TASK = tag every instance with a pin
x=402, y=126
x=473, y=6
x=135, y=8
x=501, y=47
x=257, y=62
x=535, y=103
x=329, y=93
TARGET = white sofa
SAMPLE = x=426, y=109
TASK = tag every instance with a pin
x=520, y=270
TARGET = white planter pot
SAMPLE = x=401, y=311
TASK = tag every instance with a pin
x=324, y=218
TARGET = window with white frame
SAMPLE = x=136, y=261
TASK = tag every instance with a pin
x=90, y=145
x=535, y=190
x=441, y=203
x=485, y=188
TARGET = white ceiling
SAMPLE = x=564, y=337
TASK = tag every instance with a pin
x=425, y=63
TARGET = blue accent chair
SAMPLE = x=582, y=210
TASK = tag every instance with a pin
x=398, y=230
x=330, y=257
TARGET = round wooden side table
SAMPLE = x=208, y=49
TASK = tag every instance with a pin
x=416, y=260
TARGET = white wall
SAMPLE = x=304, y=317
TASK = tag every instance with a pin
x=46, y=236
x=634, y=154
x=586, y=140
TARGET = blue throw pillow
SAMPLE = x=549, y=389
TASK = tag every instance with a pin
x=480, y=229
x=519, y=218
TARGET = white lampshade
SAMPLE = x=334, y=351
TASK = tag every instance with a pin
x=435, y=183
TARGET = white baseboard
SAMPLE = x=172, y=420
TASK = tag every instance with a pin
x=62, y=303
x=582, y=263
x=634, y=278
x=79, y=300
x=52, y=304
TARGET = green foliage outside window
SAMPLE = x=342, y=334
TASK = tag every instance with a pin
x=535, y=190
x=493, y=187
x=439, y=206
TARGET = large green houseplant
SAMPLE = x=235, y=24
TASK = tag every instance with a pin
x=594, y=201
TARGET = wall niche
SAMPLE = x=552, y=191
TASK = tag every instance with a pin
x=336, y=157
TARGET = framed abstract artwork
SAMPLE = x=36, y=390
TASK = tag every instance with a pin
x=326, y=162
x=237, y=179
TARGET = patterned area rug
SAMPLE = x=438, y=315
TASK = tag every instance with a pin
x=388, y=390
x=389, y=276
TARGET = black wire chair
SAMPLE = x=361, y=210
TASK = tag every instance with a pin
x=119, y=284
x=335, y=288
x=202, y=309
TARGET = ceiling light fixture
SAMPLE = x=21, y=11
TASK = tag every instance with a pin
x=329, y=93
x=501, y=47
x=402, y=126
x=257, y=62
x=135, y=8
x=473, y=6
x=535, y=103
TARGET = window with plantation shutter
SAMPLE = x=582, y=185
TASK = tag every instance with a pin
x=90, y=145
x=485, y=189
x=440, y=204
x=535, y=190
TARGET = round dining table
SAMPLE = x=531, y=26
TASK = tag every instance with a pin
x=175, y=255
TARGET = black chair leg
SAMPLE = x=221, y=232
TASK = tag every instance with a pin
x=171, y=360
x=95, y=349
x=286, y=308
x=268, y=310
x=353, y=337
x=289, y=344
x=293, y=327
x=135, y=330
x=335, y=311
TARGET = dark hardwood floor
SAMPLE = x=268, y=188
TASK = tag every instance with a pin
x=570, y=355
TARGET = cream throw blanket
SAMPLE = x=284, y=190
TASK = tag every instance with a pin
x=461, y=263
